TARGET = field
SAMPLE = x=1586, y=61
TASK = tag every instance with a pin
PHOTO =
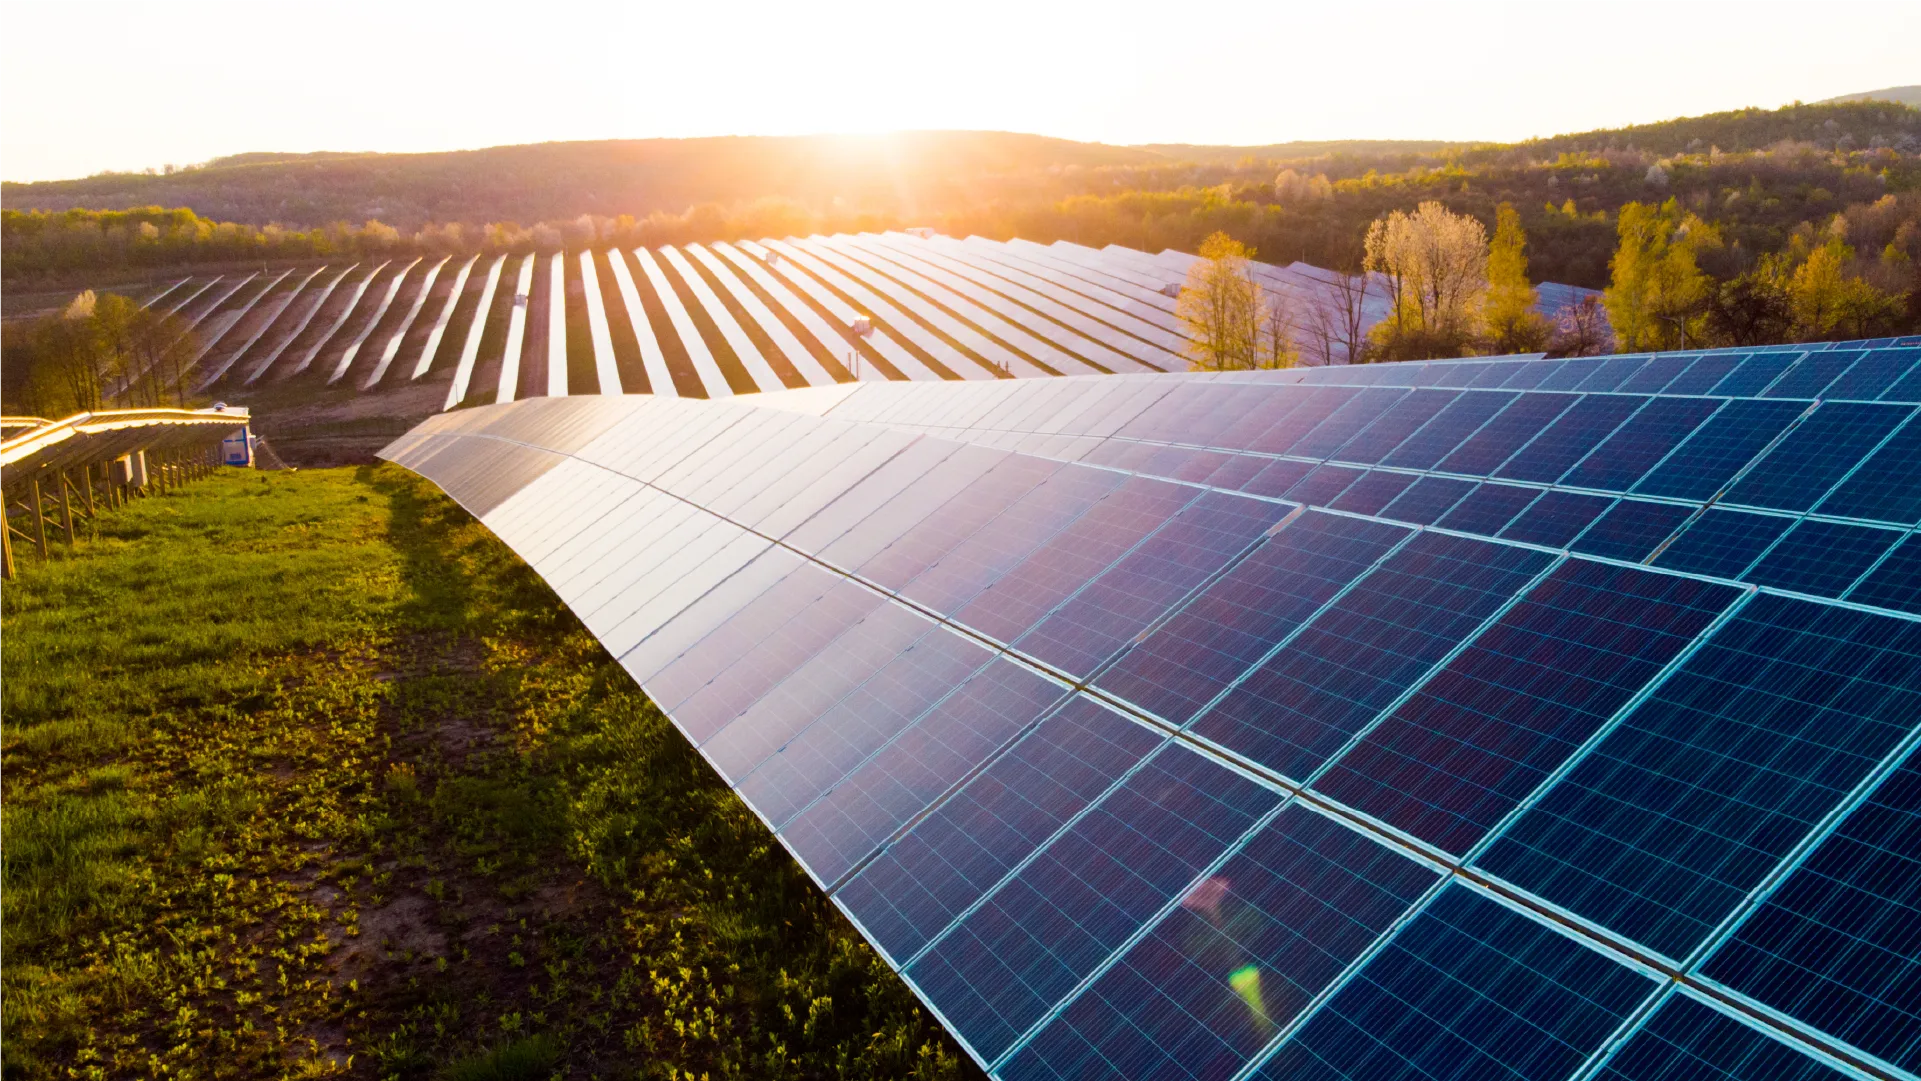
x=307, y=775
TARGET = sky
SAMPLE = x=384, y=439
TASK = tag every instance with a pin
x=95, y=86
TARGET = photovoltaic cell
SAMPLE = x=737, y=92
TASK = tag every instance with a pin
x=1723, y=543
x=1688, y=1041
x=1245, y=950
x=1302, y=705
x=1754, y=375
x=1115, y=607
x=1705, y=374
x=1489, y=508
x=1374, y=490
x=1896, y=583
x=1276, y=477
x=816, y=757
x=1812, y=374
x=1447, y=428
x=1480, y=735
x=1665, y=827
x=1020, y=597
x=1570, y=438
x=999, y=970
x=1213, y=638
x=1321, y=486
x=1556, y=518
x=1394, y=425
x=1632, y=529
x=1872, y=375
x=1640, y=443
x=1506, y=433
x=1884, y=486
x=1657, y=373
x=1718, y=449
x=1427, y=500
x=1822, y=558
x=1468, y=990
x=1342, y=425
x=951, y=858
x=907, y=775
x=1816, y=454
x=1833, y=946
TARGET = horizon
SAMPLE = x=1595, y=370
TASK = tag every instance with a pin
x=860, y=69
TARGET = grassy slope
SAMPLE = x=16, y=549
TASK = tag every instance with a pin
x=306, y=774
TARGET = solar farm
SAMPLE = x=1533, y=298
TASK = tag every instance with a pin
x=714, y=320
x=1488, y=718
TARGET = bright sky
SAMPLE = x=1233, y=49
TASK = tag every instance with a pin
x=93, y=86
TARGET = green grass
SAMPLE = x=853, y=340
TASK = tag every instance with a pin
x=307, y=775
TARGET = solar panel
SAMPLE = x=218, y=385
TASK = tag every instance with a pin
x=1377, y=723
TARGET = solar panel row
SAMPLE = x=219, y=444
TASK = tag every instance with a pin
x=1136, y=764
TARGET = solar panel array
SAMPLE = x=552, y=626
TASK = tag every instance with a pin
x=714, y=320
x=1463, y=719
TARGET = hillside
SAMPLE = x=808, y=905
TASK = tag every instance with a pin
x=546, y=181
x=1906, y=95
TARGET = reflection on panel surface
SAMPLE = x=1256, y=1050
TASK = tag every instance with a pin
x=1347, y=723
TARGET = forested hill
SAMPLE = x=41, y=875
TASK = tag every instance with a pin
x=548, y=181
x=903, y=176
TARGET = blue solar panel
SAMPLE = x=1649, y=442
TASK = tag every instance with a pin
x=1394, y=425
x=1817, y=453
x=1632, y=529
x=1212, y=639
x=907, y=775
x=1640, y=443
x=1003, y=965
x=1718, y=449
x=1489, y=508
x=1447, y=428
x=1723, y=543
x=1506, y=433
x=1896, y=582
x=1373, y=491
x=1480, y=735
x=1813, y=373
x=1705, y=374
x=1468, y=990
x=1681, y=810
x=1883, y=487
x=1754, y=375
x=1823, y=558
x=1570, y=438
x=1556, y=518
x=1303, y=704
x=1427, y=500
x=1688, y=1041
x=1872, y=375
x=1834, y=945
x=880, y=642
x=1654, y=376
x=1118, y=604
x=1247, y=948
x=951, y=858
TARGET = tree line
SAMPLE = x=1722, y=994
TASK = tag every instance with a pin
x=1453, y=291
x=103, y=351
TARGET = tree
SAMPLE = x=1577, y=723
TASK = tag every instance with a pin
x=1337, y=319
x=1581, y=330
x=1753, y=308
x=1658, y=297
x=1221, y=307
x=1513, y=326
x=1435, y=265
x=1278, y=348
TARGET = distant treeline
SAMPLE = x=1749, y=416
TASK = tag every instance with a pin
x=1773, y=185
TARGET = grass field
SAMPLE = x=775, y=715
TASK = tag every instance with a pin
x=307, y=775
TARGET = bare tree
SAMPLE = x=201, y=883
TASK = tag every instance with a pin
x=1337, y=319
x=1581, y=330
